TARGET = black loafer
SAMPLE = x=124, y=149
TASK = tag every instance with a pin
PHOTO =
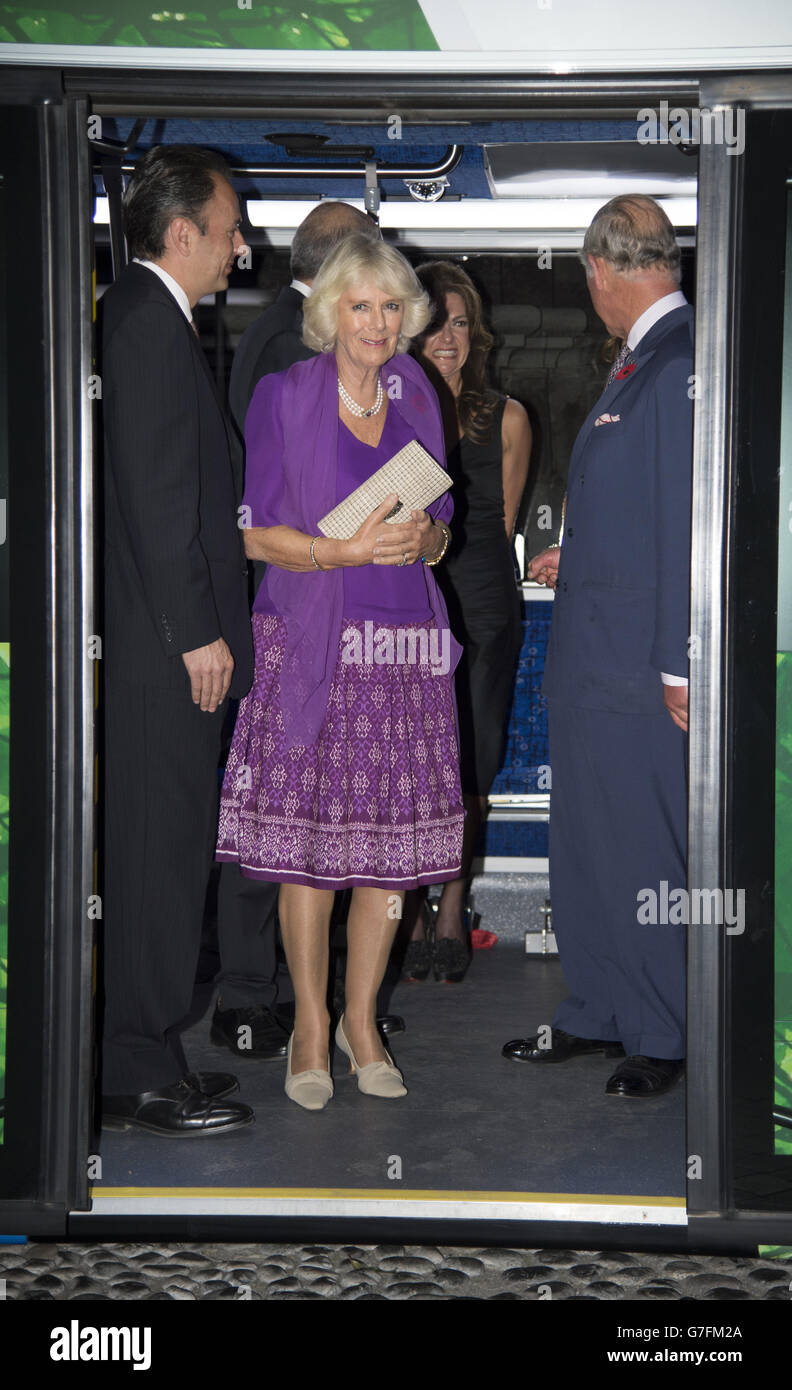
x=214, y=1084
x=640, y=1077
x=176, y=1112
x=562, y=1047
x=251, y=1032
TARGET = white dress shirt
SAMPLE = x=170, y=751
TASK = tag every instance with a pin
x=650, y=316
x=300, y=285
x=168, y=281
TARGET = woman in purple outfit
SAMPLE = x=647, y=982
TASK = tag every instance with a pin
x=344, y=767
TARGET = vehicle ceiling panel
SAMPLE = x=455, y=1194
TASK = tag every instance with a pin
x=244, y=142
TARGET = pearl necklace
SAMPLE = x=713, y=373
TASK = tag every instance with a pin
x=354, y=408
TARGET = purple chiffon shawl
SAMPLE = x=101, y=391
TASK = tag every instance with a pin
x=312, y=602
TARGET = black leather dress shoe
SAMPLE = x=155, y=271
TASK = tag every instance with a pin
x=390, y=1023
x=176, y=1112
x=214, y=1084
x=251, y=1032
x=563, y=1046
x=639, y=1077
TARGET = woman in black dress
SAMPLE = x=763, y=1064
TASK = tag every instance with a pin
x=488, y=446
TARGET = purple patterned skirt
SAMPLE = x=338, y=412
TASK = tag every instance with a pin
x=377, y=799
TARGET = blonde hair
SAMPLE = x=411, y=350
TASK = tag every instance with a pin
x=356, y=259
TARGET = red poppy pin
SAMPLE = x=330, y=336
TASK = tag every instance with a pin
x=625, y=371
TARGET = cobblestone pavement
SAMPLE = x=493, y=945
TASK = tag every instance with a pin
x=262, y=1272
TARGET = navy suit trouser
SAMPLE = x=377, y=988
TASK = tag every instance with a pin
x=618, y=825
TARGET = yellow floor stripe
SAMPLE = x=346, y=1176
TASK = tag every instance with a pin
x=386, y=1194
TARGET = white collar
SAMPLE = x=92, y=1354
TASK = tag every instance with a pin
x=650, y=316
x=168, y=281
x=300, y=285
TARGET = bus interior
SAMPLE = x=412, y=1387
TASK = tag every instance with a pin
x=478, y=1137
x=500, y=168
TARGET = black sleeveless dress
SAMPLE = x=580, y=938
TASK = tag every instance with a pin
x=480, y=588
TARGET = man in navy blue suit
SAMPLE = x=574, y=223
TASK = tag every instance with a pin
x=616, y=671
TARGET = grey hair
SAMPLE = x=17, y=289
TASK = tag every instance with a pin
x=357, y=259
x=320, y=232
x=633, y=234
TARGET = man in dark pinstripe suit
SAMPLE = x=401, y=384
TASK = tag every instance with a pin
x=177, y=636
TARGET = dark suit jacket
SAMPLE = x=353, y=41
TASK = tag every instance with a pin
x=621, y=608
x=271, y=344
x=175, y=568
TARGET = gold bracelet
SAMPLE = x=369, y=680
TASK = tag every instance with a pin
x=447, y=534
x=313, y=557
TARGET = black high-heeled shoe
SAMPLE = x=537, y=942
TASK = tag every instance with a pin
x=419, y=955
x=453, y=954
x=417, y=962
x=451, y=960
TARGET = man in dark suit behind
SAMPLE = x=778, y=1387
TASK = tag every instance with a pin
x=245, y=1019
x=177, y=635
x=616, y=672
x=274, y=341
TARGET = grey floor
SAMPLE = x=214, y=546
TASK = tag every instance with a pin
x=472, y=1121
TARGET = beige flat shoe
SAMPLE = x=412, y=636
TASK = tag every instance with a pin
x=377, y=1078
x=310, y=1089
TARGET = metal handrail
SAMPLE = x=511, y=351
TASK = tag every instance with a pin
x=449, y=161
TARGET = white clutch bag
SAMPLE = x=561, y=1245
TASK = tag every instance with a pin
x=412, y=474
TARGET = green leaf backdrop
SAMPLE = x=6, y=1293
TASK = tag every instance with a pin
x=783, y=897
x=377, y=25
x=5, y=690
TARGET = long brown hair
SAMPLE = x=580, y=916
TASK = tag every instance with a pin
x=476, y=402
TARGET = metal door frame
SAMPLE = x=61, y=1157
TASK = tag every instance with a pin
x=129, y=93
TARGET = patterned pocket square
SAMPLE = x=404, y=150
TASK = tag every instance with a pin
x=606, y=420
